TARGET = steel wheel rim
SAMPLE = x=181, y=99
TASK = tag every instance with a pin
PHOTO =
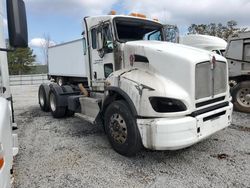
x=243, y=97
x=41, y=98
x=118, y=128
x=52, y=102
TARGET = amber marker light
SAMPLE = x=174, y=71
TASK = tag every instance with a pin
x=1, y=157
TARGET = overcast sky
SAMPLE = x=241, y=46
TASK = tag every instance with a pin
x=62, y=19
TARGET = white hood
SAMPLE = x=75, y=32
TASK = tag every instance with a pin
x=171, y=62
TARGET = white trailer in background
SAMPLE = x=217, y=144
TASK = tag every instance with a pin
x=206, y=42
x=66, y=62
x=18, y=38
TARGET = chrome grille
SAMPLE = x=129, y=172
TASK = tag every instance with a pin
x=208, y=81
x=220, y=78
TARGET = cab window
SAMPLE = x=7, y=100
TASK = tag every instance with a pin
x=108, y=69
x=235, y=50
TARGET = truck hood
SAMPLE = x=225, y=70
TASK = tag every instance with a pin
x=172, y=64
x=187, y=53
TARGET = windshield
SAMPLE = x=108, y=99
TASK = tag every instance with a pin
x=131, y=29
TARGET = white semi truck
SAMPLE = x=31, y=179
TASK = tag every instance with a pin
x=144, y=92
x=16, y=17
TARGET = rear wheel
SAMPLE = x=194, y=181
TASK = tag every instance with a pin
x=241, y=96
x=43, y=97
x=121, y=129
x=68, y=89
x=56, y=111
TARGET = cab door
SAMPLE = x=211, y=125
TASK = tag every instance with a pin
x=102, y=56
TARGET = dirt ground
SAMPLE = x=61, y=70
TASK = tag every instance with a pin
x=72, y=153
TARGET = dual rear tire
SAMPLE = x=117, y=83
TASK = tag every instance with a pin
x=119, y=122
x=43, y=99
x=49, y=101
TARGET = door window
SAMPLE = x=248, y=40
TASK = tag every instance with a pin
x=108, y=69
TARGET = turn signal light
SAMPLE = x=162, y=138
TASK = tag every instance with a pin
x=1, y=157
x=1, y=162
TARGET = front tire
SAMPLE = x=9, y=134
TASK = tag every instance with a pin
x=241, y=97
x=121, y=129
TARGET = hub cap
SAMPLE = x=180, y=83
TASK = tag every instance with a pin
x=52, y=102
x=118, y=128
x=41, y=98
x=243, y=97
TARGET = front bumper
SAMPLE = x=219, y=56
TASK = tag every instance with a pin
x=181, y=132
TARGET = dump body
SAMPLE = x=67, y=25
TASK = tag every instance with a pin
x=238, y=56
x=67, y=60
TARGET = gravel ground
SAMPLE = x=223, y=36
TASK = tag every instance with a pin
x=72, y=153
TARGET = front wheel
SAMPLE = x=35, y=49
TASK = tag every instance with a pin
x=241, y=96
x=121, y=129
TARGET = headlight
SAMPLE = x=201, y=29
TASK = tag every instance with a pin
x=165, y=105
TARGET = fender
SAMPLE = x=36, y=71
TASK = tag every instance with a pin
x=123, y=94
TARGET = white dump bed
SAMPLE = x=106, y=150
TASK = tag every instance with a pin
x=67, y=59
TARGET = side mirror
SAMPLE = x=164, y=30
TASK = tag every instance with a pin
x=99, y=41
x=17, y=23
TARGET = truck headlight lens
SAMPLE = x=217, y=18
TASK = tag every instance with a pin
x=165, y=105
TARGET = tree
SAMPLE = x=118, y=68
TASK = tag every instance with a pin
x=45, y=44
x=20, y=61
x=219, y=30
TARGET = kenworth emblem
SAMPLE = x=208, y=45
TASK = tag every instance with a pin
x=213, y=62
